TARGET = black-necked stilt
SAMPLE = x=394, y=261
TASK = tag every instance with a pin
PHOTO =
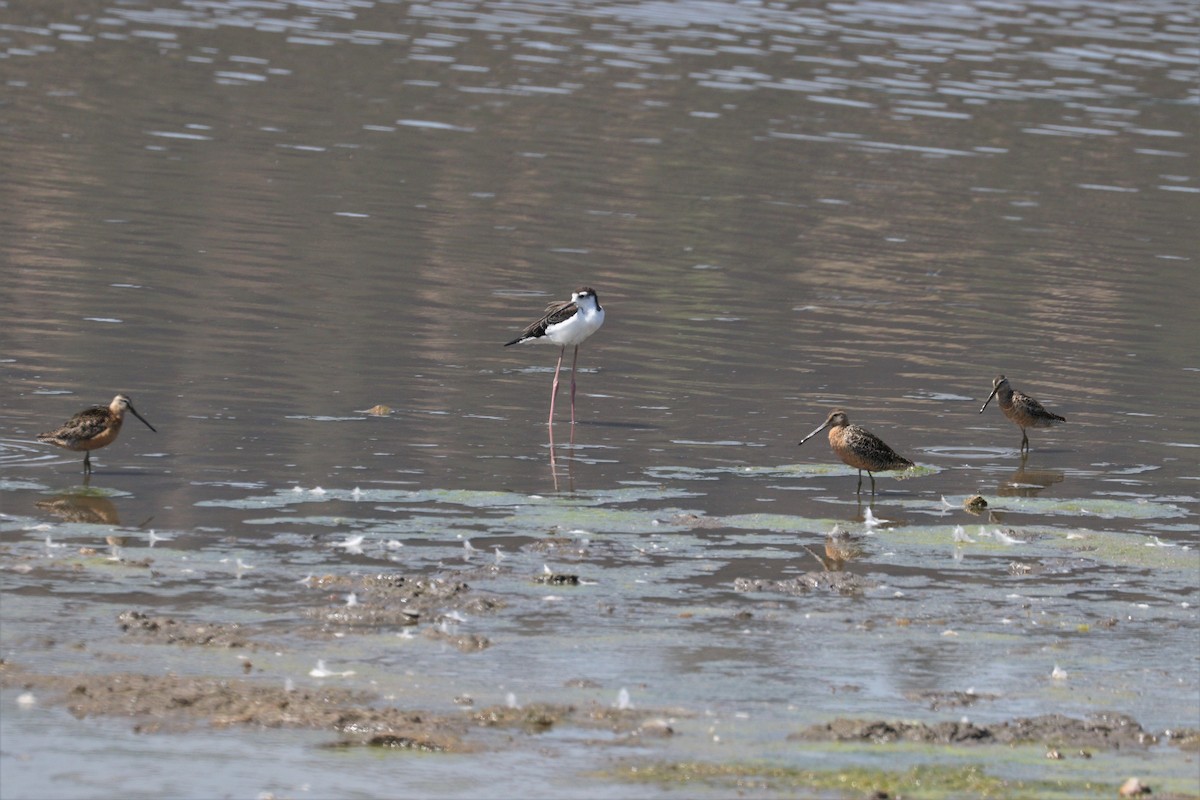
x=1021, y=409
x=566, y=323
x=93, y=428
x=858, y=447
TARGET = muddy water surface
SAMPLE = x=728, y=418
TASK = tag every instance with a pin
x=262, y=221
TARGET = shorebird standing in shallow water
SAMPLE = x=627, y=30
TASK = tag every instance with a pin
x=1021, y=409
x=858, y=447
x=566, y=323
x=93, y=428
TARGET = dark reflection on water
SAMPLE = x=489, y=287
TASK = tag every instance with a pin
x=261, y=220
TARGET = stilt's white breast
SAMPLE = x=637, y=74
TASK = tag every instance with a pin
x=582, y=324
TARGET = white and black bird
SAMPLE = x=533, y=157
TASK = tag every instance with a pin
x=566, y=323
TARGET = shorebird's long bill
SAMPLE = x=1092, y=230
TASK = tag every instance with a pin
x=995, y=389
x=143, y=419
x=820, y=428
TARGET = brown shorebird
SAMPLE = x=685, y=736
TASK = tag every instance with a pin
x=1021, y=409
x=566, y=323
x=858, y=447
x=93, y=428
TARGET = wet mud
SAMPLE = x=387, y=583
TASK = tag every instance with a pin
x=173, y=703
x=161, y=703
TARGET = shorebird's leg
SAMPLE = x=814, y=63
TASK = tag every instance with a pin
x=872, y=477
x=574, y=361
x=87, y=462
x=1024, y=440
x=859, y=489
x=554, y=387
x=553, y=462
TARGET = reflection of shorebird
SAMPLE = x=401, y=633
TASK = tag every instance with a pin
x=1021, y=409
x=566, y=323
x=93, y=428
x=82, y=508
x=1028, y=482
x=841, y=547
x=858, y=447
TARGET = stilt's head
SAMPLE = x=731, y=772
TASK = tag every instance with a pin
x=836, y=419
x=585, y=297
x=122, y=402
x=997, y=383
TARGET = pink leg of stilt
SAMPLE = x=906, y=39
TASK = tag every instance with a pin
x=574, y=361
x=554, y=388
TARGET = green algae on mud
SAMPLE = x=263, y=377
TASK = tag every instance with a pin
x=1117, y=548
x=1102, y=507
x=685, y=473
x=1105, y=508
x=466, y=498
x=922, y=781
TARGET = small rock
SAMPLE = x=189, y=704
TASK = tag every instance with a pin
x=1133, y=788
x=557, y=579
x=656, y=727
x=975, y=504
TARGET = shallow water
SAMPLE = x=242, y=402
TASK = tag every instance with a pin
x=261, y=220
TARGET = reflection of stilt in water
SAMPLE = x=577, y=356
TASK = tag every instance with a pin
x=1026, y=482
x=569, y=458
x=553, y=461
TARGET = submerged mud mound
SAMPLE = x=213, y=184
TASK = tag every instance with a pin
x=395, y=600
x=825, y=581
x=177, y=702
x=1102, y=731
x=167, y=630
